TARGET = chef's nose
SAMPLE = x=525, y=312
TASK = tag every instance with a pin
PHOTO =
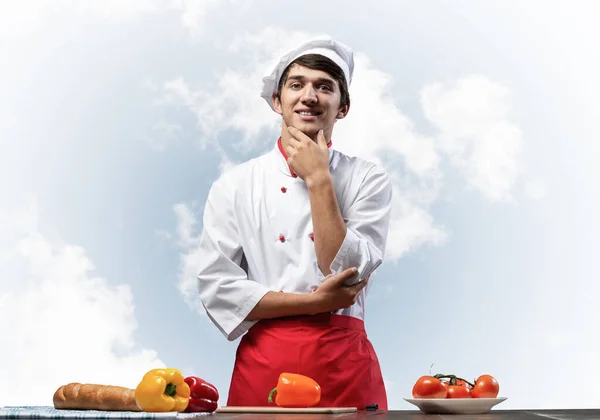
x=309, y=94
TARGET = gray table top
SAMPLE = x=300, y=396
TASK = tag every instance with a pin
x=494, y=414
x=414, y=415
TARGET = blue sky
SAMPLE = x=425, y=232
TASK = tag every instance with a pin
x=118, y=116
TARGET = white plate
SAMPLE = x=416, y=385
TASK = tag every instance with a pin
x=455, y=405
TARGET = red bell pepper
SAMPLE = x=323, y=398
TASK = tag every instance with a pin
x=204, y=396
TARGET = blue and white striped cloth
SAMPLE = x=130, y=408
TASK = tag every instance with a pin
x=48, y=412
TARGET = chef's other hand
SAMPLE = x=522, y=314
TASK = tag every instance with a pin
x=333, y=294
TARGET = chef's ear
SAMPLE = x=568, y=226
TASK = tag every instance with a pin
x=276, y=103
x=343, y=112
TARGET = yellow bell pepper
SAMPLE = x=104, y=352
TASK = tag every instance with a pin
x=162, y=390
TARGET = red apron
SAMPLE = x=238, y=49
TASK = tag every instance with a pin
x=332, y=349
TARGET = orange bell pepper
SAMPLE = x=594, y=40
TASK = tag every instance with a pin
x=296, y=391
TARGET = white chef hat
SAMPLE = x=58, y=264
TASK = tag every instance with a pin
x=324, y=45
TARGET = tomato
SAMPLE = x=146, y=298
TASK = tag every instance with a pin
x=486, y=386
x=459, y=391
x=429, y=387
x=463, y=383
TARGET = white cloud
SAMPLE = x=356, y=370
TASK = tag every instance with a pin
x=116, y=9
x=164, y=134
x=411, y=227
x=475, y=133
x=237, y=105
x=536, y=189
x=193, y=12
x=225, y=163
x=185, y=225
x=60, y=321
x=20, y=18
x=189, y=241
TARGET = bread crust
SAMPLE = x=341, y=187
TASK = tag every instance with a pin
x=77, y=396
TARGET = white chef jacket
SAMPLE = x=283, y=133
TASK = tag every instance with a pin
x=257, y=234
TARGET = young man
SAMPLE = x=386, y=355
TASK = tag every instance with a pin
x=291, y=238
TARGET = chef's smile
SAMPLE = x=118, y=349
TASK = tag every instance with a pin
x=308, y=115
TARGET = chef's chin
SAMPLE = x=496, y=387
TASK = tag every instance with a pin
x=311, y=130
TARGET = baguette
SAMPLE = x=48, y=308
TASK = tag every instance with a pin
x=76, y=396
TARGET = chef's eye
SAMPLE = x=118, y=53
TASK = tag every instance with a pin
x=295, y=86
x=326, y=88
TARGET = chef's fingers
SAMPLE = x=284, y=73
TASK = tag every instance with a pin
x=359, y=286
x=348, y=273
x=296, y=135
x=321, y=140
x=293, y=142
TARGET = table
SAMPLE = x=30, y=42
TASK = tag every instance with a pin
x=587, y=414
x=494, y=414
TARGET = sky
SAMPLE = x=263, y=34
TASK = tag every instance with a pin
x=116, y=117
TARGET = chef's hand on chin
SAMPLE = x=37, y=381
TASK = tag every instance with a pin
x=333, y=294
x=306, y=157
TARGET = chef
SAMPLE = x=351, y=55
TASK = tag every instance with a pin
x=290, y=239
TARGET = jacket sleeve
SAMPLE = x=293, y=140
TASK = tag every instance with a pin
x=367, y=223
x=225, y=290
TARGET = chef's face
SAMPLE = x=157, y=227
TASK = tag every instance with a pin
x=310, y=100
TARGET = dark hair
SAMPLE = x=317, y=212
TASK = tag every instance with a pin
x=322, y=63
